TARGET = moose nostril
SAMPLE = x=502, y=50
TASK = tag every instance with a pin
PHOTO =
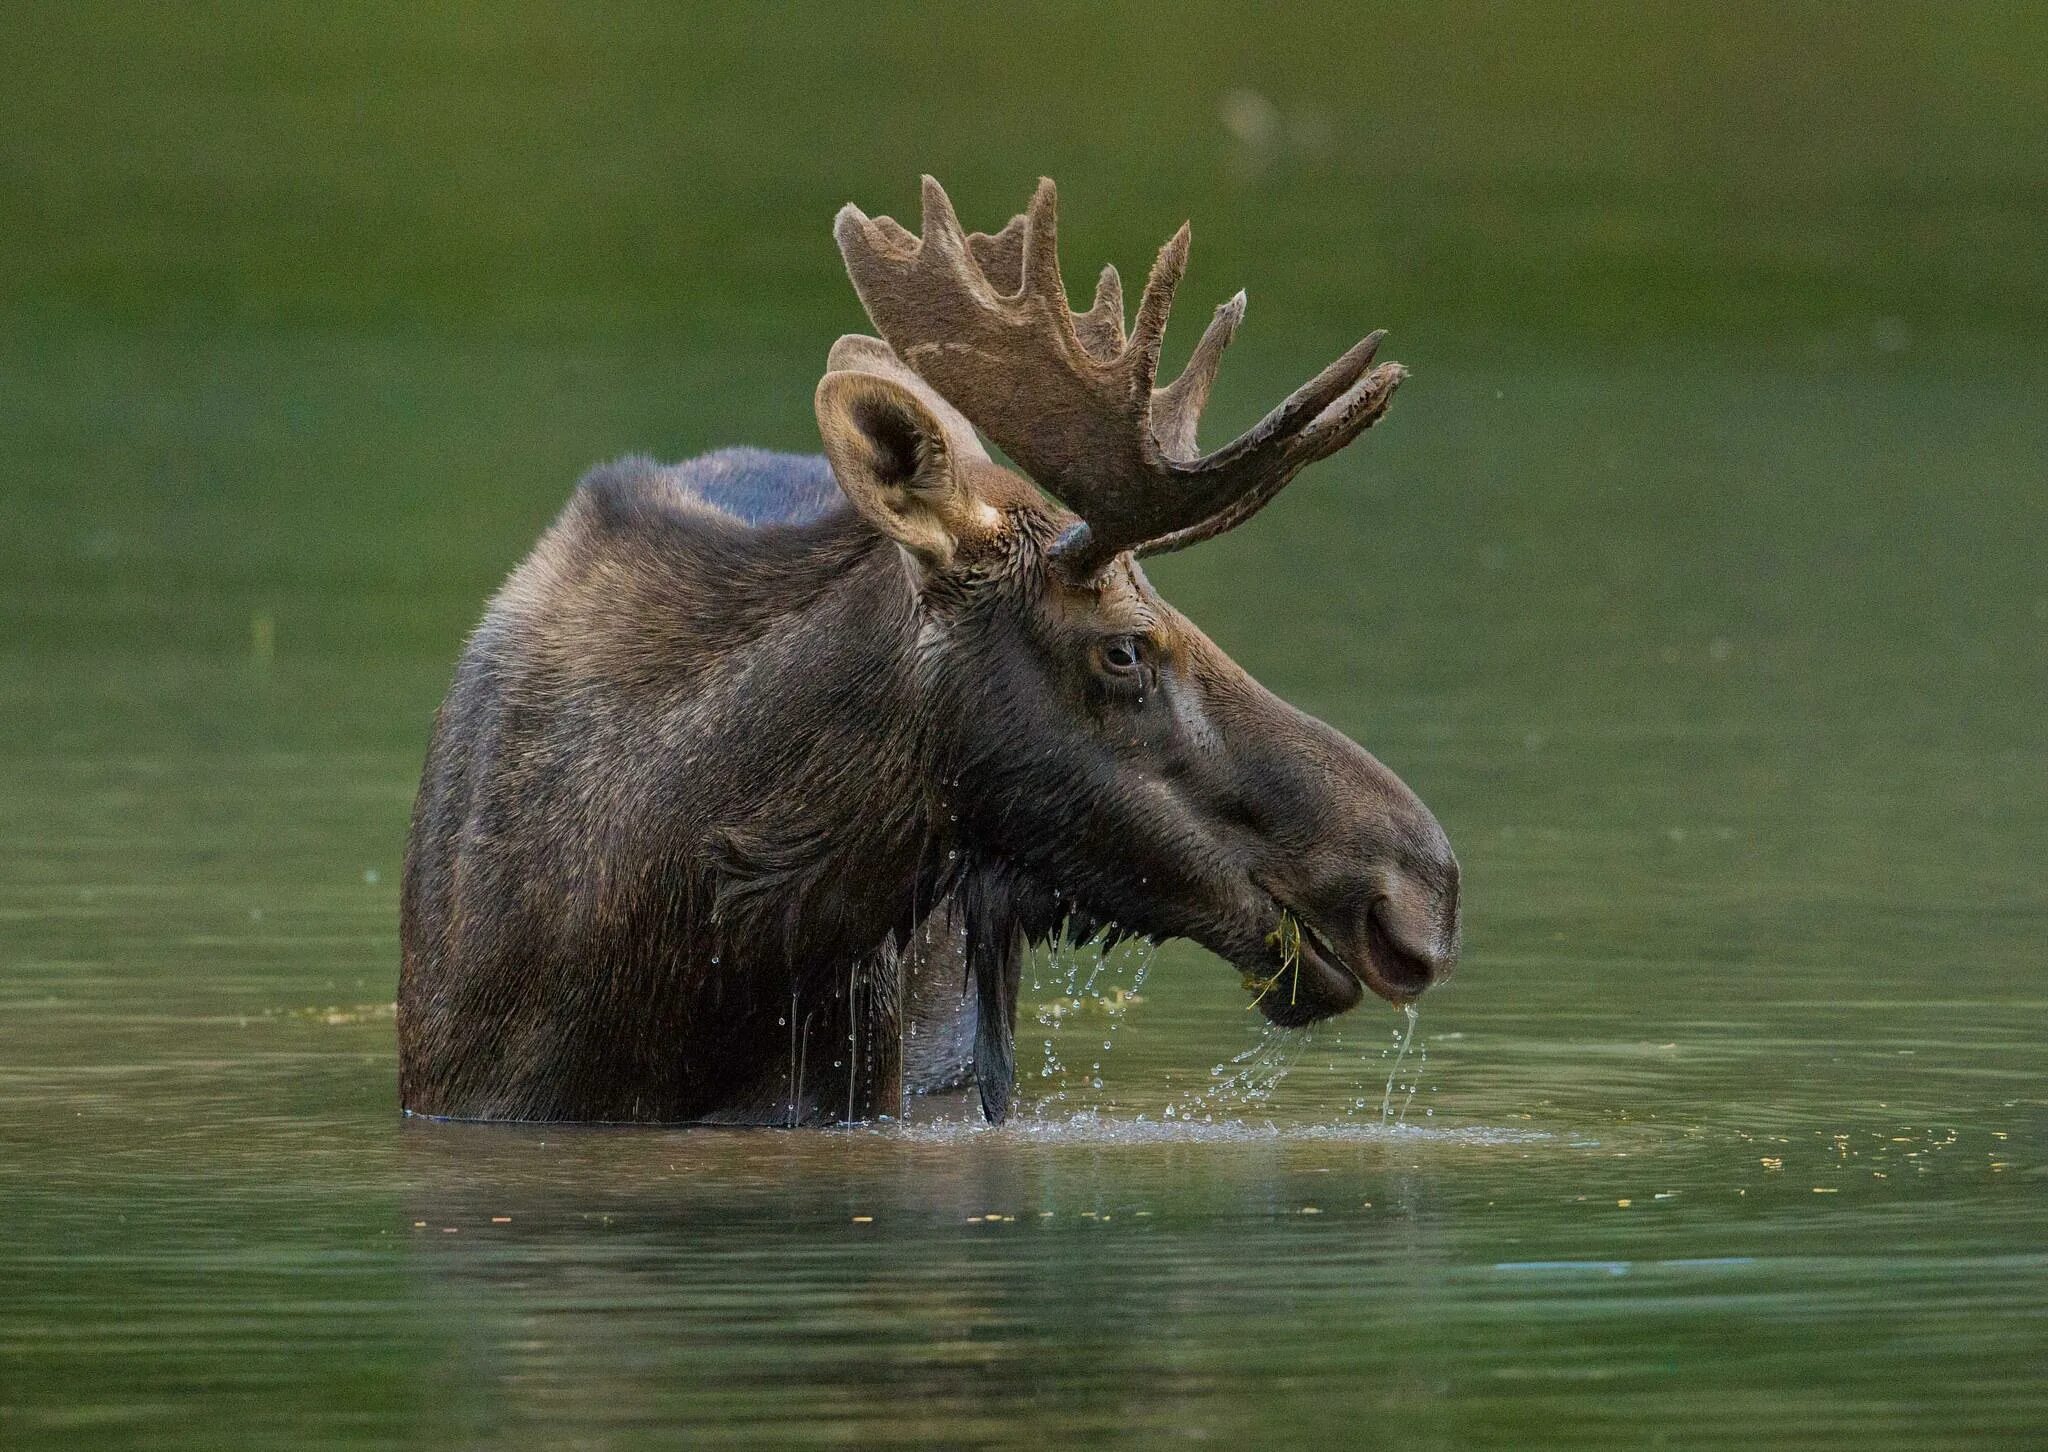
x=1408, y=965
x=1417, y=912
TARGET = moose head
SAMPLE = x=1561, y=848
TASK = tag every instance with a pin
x=1098, y=745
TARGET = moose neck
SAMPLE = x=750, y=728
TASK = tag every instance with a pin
x=824, y=838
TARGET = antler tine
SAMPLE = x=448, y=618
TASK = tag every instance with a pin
x=1024, y=256
x=1177, y=408
x=1301, y=407
x=942, y=232
x=1244, y=476
x=1101, y=328
x=856, y=232
x=1343, y=421
x=1155, y=305
x=1351, y=415
x=1042, y=247
x=898, y=239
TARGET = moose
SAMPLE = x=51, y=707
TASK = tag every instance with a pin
x=762, y=771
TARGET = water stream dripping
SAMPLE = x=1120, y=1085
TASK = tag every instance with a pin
x=1407, y=1037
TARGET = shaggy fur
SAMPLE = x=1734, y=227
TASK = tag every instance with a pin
x=629, y=763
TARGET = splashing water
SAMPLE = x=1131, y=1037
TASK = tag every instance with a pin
x=1078, y=996
x=1247, y=1081
x=1082, y=1006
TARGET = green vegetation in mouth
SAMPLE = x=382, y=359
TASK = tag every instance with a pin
x=1286, y=939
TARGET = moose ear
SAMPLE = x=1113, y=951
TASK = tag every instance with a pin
x=893, y=460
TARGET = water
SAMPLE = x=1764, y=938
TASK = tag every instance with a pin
x=1403, y=1038
x=1695, y=581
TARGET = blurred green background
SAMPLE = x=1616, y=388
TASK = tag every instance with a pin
x=1695, y=580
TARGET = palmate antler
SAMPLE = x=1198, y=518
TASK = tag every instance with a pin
x=984, y=319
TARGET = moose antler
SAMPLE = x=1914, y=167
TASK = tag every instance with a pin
x=984, y=319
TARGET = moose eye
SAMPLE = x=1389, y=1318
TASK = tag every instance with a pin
x=1120, y=656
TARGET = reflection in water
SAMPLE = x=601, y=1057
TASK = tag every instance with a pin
x=940, y=1279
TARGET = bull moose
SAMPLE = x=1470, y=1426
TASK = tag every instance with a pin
x=762, y=771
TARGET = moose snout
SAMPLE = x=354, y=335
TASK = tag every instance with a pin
x=1409, y=937
x=1379, y=891
x=1392, y=914
x=1388, y=924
